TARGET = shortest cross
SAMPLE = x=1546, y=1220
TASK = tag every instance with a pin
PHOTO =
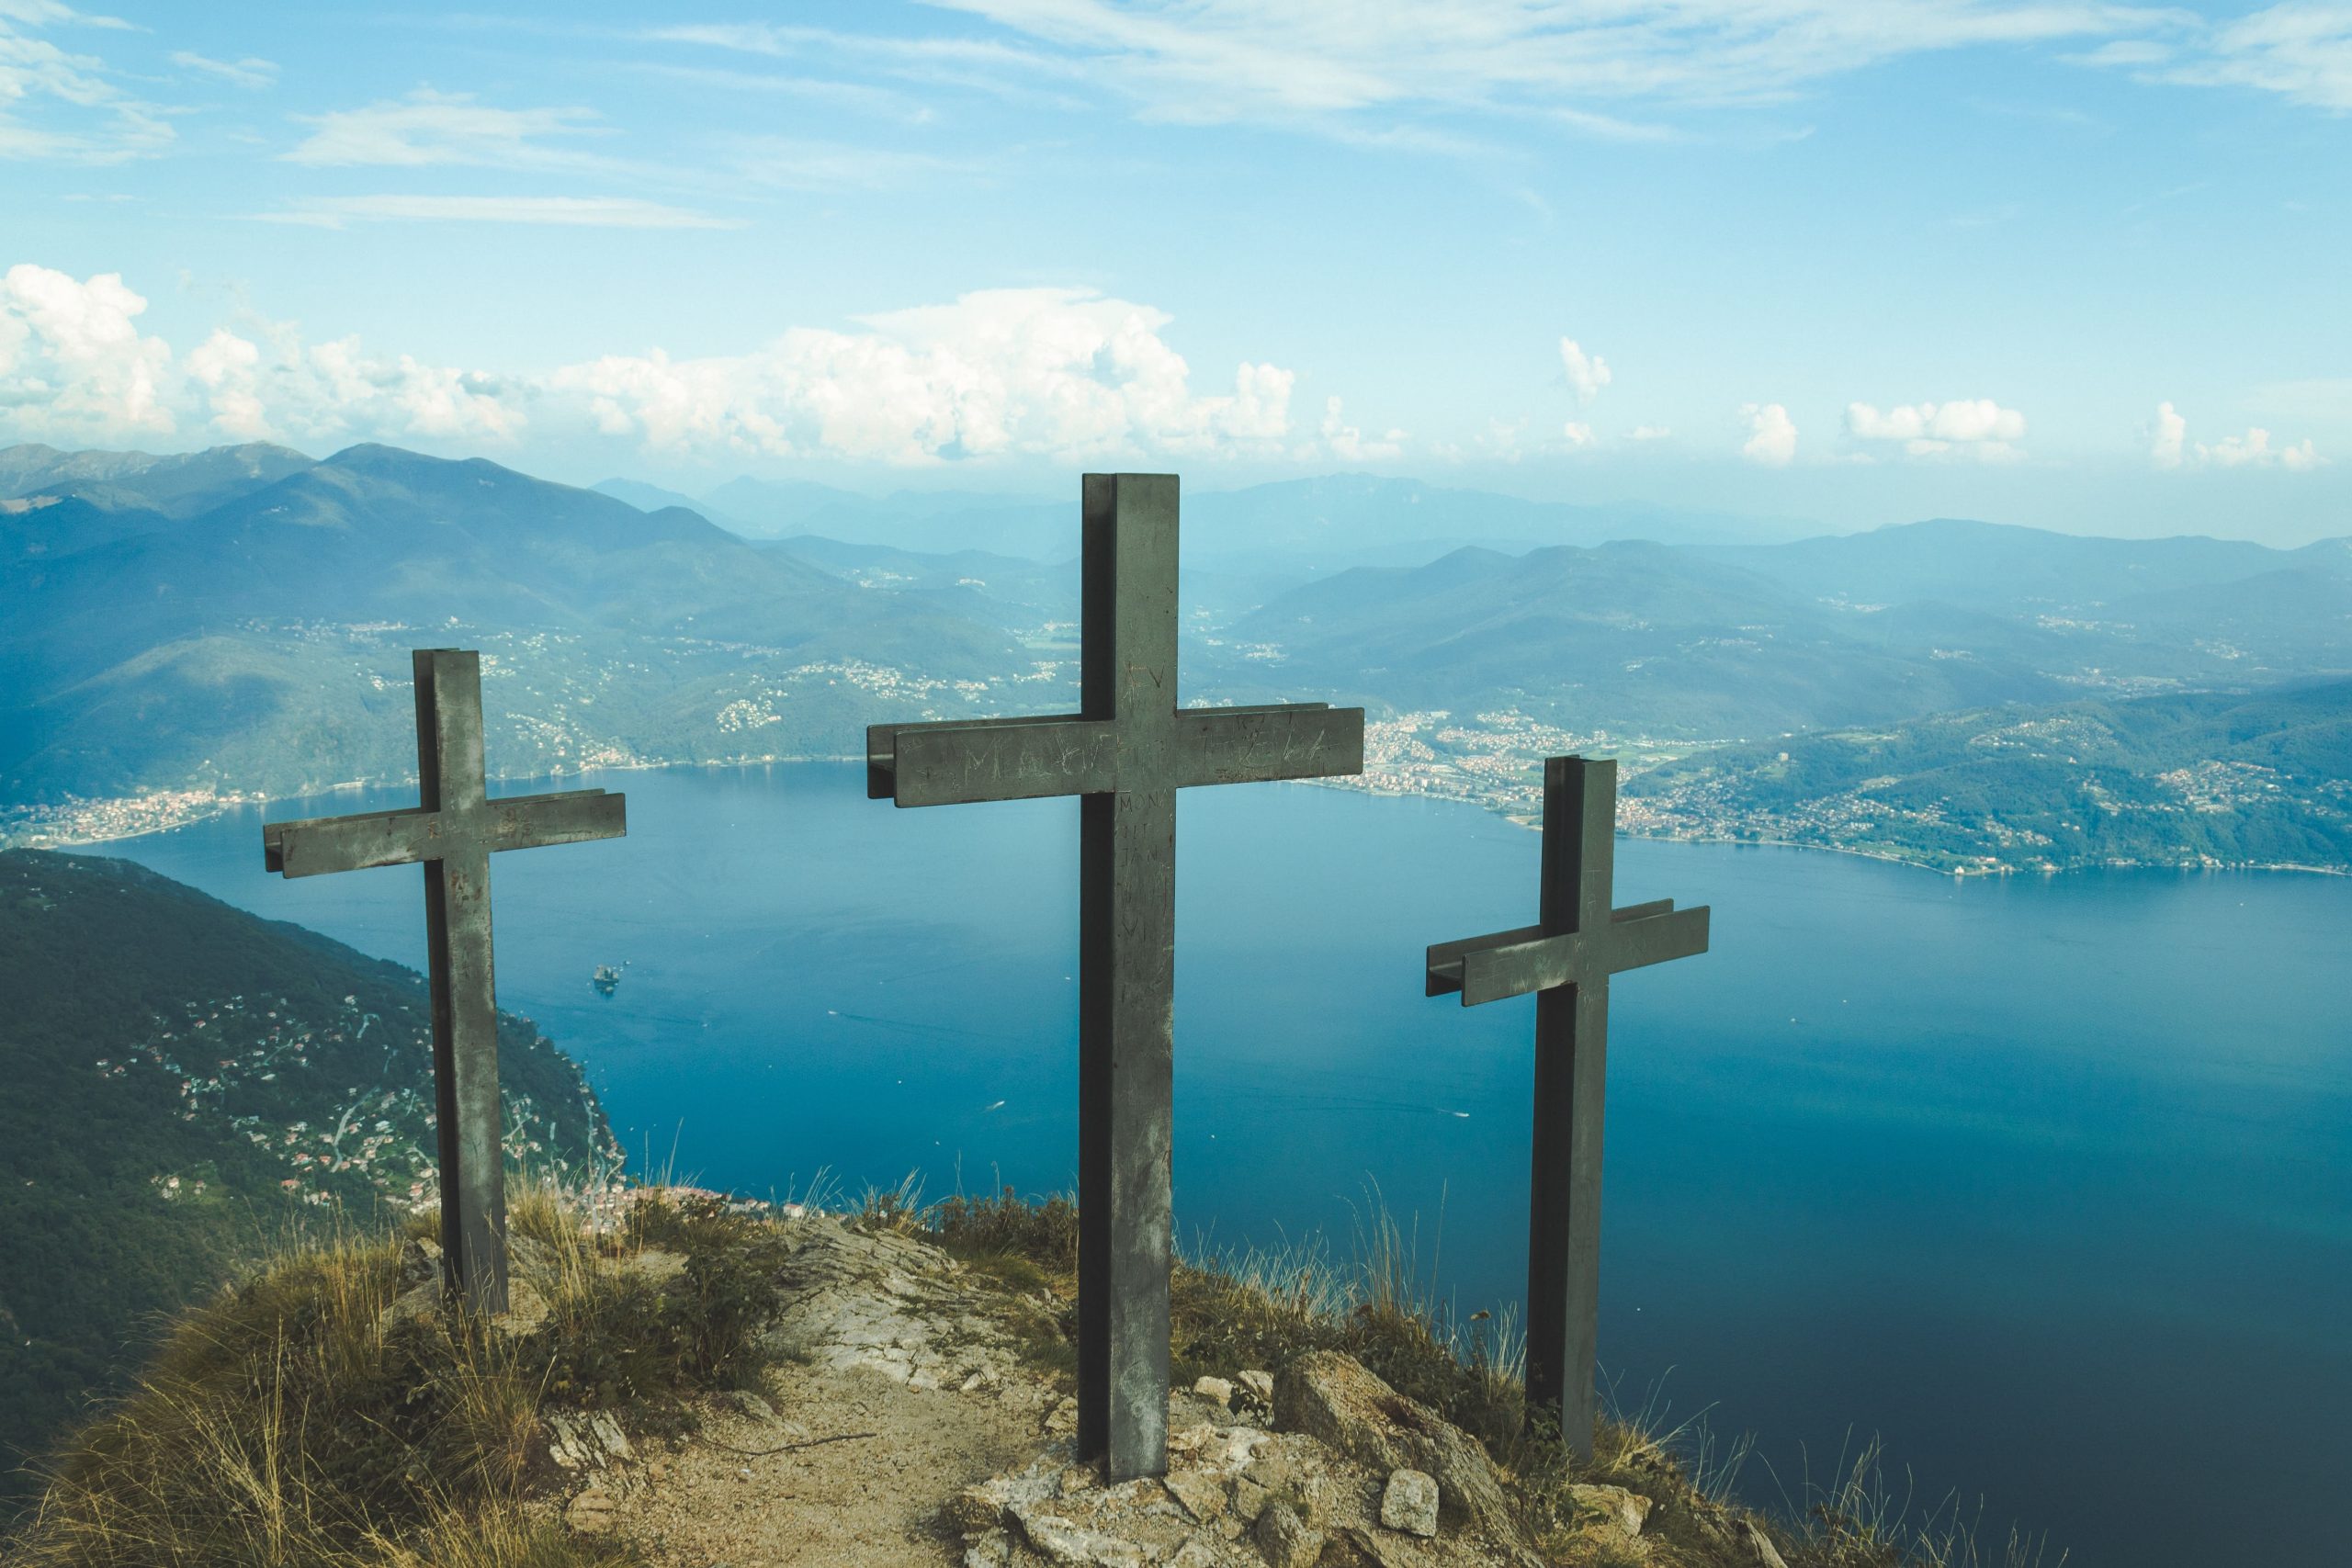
x=452, y=833
x=1566, y=960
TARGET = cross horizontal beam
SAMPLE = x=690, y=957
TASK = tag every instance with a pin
x=1514, y=963
x=962, y=762
x=313, y=846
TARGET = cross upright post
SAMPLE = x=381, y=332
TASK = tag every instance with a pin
x=1126, y=753
x=453, y=831
x=1566, y=960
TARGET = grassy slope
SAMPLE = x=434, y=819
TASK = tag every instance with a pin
x=295, y=1422
x=105, y=962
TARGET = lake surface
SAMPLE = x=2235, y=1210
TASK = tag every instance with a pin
x=2048, y=1182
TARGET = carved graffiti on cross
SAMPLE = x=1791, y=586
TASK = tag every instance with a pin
x=1126, y=752
x=1566, y=960
x=453, y=832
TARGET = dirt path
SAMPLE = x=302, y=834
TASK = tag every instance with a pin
x=886, y=1349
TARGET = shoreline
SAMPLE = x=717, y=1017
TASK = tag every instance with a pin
x=166, y=810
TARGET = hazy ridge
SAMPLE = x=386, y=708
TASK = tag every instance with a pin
x=237, y=622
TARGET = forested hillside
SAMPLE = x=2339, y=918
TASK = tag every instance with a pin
x=2197, y=779
x=183, y=1080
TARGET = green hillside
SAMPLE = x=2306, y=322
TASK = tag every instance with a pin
x=263, y=645
x=185, y=1080
x=2199, y=779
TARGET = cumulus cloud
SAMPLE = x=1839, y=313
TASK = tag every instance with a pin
x=1649, y=432
x=2171, y=431
x=282, y=388
x=1578, y=436
x=1059, y=373
x=72, y=361
x=1587, y=373
x=1347, y=442
x=1771, y=434
x=1977, y=427
x=2169, y=447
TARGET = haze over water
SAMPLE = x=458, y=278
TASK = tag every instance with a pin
x=2049, y=1182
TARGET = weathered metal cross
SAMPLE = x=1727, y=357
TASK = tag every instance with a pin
x=454, y=832
x=1566, y=960
x=1126, y=751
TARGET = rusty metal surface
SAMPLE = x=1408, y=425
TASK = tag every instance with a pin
x=1565, y=961
x=453, y=832
x=1126, y=752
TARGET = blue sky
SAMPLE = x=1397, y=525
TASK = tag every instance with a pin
x=2079, y=265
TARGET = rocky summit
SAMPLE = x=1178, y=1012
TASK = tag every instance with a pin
x=908, y=1418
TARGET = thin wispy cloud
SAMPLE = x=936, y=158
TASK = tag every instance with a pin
x=253, y=74
x=1236, y=60
x=785, y=162
x=65, y=105
x=565, y=212
x=428, y=128
x=2300, y=51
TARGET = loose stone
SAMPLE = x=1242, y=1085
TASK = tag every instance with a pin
x=1409, y=1503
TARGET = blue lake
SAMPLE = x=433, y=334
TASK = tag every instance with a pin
x=2049, y=1182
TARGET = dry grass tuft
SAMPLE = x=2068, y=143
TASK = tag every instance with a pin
x=295, y=1421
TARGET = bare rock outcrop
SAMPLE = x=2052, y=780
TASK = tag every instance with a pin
x=1333, y=1398
x=1326, y=1490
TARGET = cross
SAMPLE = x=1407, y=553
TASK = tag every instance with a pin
x=1566, y=960
x=453, y=832
x=1126, y=753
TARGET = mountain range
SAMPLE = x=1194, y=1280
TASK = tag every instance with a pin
x=238, y=620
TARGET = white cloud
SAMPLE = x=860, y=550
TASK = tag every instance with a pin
x=1578, y=436
x=282, y=388
x=1383, y=71
x=591, y=212
x=64, y=105
x=1059, y=372
x=432, y=128
x=1587, y=373
x=1771, y=434
x=2171, y=431
x=2251, y=450
x=2171, y=447
x=1274, y=59
x=2301, y=52
x=72, y=361
x=1970, y=428
x=1649, y=432
x=249, y=73
x=1346, y=443
x=789, y=164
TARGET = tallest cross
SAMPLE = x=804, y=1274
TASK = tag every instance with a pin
x=1126, y=753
